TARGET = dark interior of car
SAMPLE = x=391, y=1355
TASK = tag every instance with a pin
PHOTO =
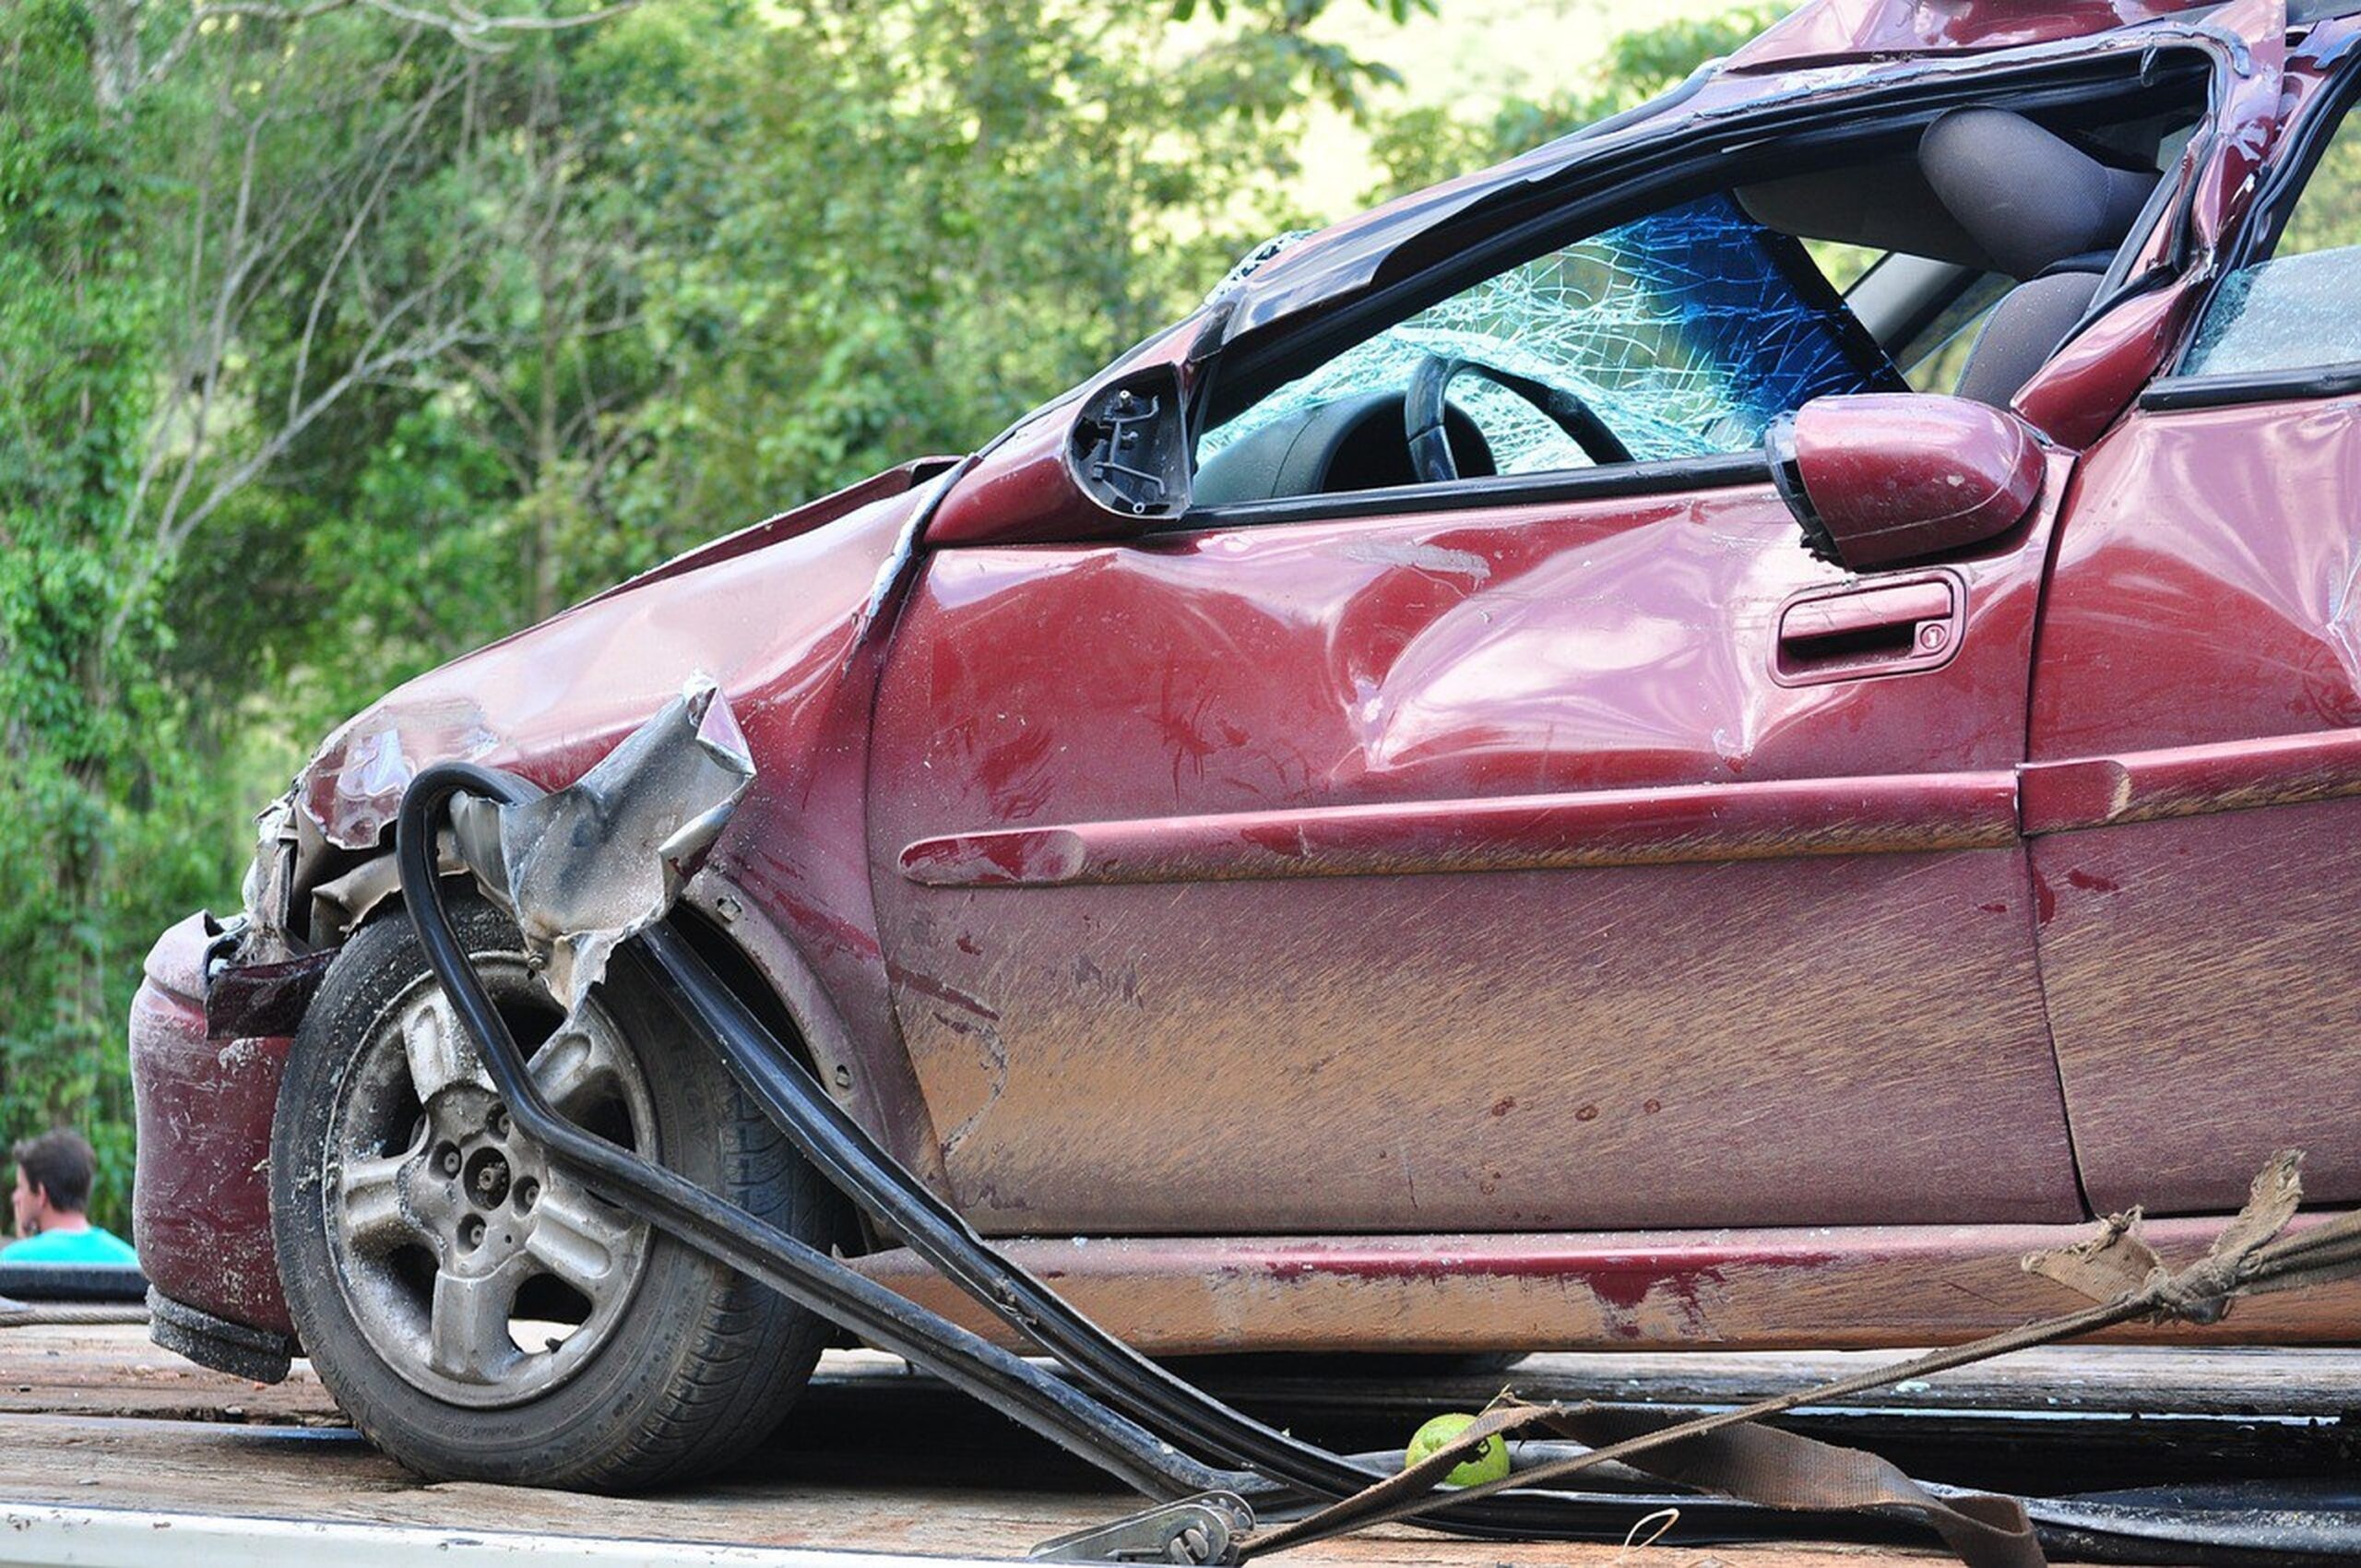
x=1996, y=231
x=1989, y=193
x=1355, y=443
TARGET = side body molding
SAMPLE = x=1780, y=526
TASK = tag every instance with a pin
x=2173, y=781
x=1598, y=828
x=1696, y=822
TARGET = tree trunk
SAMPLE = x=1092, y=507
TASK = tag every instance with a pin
x=114, y=54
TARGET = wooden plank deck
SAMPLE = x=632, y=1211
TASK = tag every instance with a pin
x=878, y=1459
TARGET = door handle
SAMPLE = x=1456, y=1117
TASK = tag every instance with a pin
x=1881, y=628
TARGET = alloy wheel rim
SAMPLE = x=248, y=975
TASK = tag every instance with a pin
x=477, y=1271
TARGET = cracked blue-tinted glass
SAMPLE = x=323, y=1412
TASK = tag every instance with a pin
x=1686, y=331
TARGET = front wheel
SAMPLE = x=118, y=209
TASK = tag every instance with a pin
x=479, y=1313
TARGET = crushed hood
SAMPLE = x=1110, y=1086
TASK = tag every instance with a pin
x=767, y=612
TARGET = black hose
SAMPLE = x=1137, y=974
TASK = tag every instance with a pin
x=843, y=1152
x=1047, y=1404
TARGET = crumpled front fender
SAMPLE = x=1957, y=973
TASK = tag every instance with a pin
x=779, y=616
x=772, y=613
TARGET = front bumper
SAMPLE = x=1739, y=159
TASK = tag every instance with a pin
x=201, y=1198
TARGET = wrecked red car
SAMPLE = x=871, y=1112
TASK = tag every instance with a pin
x=1536, y=774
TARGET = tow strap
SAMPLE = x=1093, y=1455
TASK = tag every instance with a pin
x=1725, y=1453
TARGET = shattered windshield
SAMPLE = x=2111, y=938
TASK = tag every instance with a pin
x=1686, y=331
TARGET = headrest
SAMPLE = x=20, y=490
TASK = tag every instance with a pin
x=2028, y=198
x=1885, y=206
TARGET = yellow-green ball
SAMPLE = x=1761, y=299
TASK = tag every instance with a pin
x=1489, y=1463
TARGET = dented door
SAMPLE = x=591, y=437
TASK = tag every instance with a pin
x=1463, y=871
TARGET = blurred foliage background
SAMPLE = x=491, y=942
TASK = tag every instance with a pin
x=339, y=336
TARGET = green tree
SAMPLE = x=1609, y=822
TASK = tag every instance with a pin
x=336, y=336
x=1421, y=146
x=77, y=318
x=201, y=265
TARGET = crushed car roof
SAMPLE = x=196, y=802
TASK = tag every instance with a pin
x=1831, y=42
x=1826, y=30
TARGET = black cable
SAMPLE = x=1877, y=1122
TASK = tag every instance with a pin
x=1038, y=1399
x=842, y=1151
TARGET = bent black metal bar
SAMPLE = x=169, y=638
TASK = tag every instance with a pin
x=1282, y=1471
x=1047, y=1404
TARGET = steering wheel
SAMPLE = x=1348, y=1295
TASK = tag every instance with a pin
x=1422, y=414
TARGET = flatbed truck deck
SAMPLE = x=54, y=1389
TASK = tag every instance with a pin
x=114, y=1451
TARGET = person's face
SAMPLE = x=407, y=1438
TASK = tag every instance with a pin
x=27, y=1202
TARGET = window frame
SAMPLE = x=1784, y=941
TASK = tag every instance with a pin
x=1841, y=133
x=2274, y=203
x=1783, y=255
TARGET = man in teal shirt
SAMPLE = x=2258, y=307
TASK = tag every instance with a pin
x=54, y=1174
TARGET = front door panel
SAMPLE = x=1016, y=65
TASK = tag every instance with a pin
x=1467, y=871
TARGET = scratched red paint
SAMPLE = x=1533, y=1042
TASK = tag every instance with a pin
x=202, y=1218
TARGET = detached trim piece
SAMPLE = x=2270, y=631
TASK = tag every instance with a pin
x=2255, y=387
x=2228, y=776
x=1605, y=827
x=242, y=1350
x=1892, y=1287
x=1897, y=813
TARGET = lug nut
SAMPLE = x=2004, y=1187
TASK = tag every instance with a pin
x=529, y=1193
x=449, y=1161
x=472, y=1234
x=498, y=1121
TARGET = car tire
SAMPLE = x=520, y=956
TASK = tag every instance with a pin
x=400, y=1230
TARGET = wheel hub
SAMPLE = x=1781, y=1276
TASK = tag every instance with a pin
x=487, y=1178
x=480, y=1274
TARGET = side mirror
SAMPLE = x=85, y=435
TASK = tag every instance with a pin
x=1130, y=448
x=1101, y=466
x=1884, y=478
